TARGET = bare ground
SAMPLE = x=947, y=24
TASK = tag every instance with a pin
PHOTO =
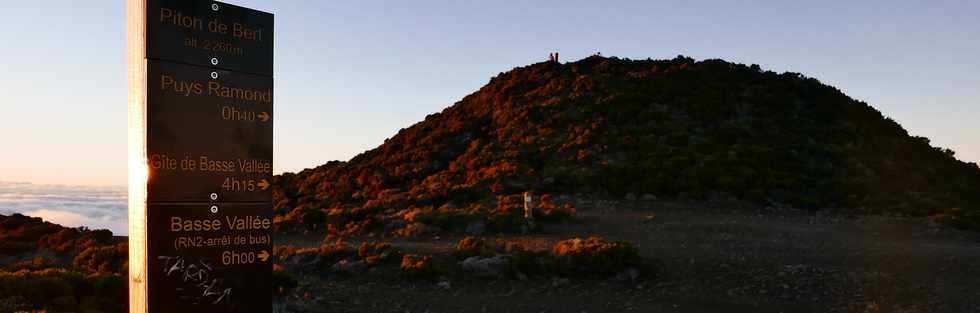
x=707, y=260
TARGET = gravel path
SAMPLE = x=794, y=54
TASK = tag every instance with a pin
x=711, y=260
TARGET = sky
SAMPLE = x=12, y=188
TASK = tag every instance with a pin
x=349, y=74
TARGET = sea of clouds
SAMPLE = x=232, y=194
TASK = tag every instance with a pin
x=72, y=206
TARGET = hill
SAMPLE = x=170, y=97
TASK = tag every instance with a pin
x=32, y=243
x=48, y=267
x=609, y=127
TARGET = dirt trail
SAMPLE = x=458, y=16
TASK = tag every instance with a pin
x=711, y=261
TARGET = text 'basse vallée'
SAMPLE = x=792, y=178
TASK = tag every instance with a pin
x=178, y=224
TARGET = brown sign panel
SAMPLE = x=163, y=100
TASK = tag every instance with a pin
x=205, y=110
x=209, y=134
x=211, y=34
x=210, y=258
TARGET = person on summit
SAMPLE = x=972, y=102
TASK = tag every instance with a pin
x=553, y=57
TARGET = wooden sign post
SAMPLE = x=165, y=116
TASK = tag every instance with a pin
x=200, y=157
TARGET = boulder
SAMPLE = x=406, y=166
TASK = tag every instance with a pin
x=476, y=228
x=303, y=260
x=350, y=267
x=395, y=224
x=486, y=267
x=445, y=285
x=630, y=273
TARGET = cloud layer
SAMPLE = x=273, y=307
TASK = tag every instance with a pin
x=73, y=206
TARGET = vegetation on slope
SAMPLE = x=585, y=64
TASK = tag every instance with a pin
x=48, y=267
x=676, y=129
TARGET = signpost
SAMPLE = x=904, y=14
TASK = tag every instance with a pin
x=200, y=157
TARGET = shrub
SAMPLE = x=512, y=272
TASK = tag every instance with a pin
x=450, y=220
x=411, y=230
x=312, y=218
x=470, y=246
x=335, y=250
x=530, y=262
x=418, y=266
x=959, y=218
x=62, y=241
x=558, y=213
x=35, y=264
x=549, y=210
x=282, y=280
x=62, y=291
x=594, y=255
x=103, y=259
x=353, y=228
x=374, y=253
x=510, y=221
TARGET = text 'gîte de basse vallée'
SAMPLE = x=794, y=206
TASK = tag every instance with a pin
x=203, y=163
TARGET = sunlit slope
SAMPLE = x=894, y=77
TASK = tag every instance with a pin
x=612, y=127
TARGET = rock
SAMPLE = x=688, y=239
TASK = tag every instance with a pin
x=304, y=259
x=449, y=206
x=630, y=197
x=476, y=228
x=445, y=285
x=292, y=307
x=648, y=197
x=395, y=224
x=549, y=180
x=521, y=276
x=487, y=267
x=558, y=282
x=649, y=218
x=350, y=267
x=526, y=229
x=630, y=273
x=415, y=229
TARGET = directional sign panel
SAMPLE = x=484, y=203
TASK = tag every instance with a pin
x=201, y=116
x=211, y=34
x=210, y=258
x=209, y=133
